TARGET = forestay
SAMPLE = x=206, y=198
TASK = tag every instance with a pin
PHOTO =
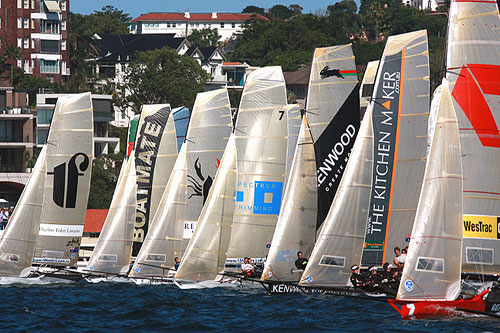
x=260, y=136
x=205, y=255
x=340, y=242
x=332, y=111
x=114, y=247
x=473, y=70
x=400, y=117
x=70, y=151
x=19, y=238
x=432, y=267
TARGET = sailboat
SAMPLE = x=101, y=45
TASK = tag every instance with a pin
x=47, y=225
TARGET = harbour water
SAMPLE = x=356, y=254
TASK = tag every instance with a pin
x=126, y=307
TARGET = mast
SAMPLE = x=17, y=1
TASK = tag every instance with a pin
x=432, y=267
x=473, y=71
x=70, y=151
x=400, y=117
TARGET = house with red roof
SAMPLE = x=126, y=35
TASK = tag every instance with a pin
x=181, y=24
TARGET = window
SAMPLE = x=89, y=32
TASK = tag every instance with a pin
x=156, y=257
x=332, y=261
x=49, y=46
x=49, y=66
x=26, y=43
x=50, y=27
x=233, y=25
x=32, y=43
x=27, y=65
x=222, y=24
x=108, y=257
x=19, y=4
x=32, y=4
x=19, y=42
x=32, y=24
x=19, y=63
x=367, y=90
x=476, y=255
x=63, y=44
x=63, y=67
x=63, y=5
x=174, y=25
x=19, y=23
x=435, y=265
x=168, y=24
x=26, y=23
x=63, y=25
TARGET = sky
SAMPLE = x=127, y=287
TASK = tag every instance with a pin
x=137, y=7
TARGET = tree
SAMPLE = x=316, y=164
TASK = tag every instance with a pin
x=105, y=171
x=204, y=37
x=280, y=12
x=161, y=76
x=297, y=9
x=110, y=20
x=254, y=10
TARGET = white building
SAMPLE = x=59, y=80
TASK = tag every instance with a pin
x=424, y=4
x=182, y=25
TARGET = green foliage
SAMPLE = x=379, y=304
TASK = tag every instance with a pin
x=280, y=12
x=204, y=37
x=110, y=20
x=30, y=84
x=161, y=76
x=105, y=171
x=254, y=10
x=120, y=132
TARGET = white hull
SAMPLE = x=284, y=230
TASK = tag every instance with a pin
x=40, y=280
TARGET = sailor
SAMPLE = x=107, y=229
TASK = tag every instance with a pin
x=177, y=263
x=247, y=267
x=301, y=262
x=390, y=277
x=400, y=259
x=357, y=280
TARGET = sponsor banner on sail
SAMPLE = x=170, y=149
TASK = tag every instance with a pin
x=189, y=228
x=150, y=132
x=385, y=131
x=475, y=226
x=259, y=197
x=60, y=230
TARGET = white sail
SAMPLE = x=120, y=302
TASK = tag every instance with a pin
x=155, y=155
x=296, y=226
x=260, y=136
x=114, y=246
x=294, y=119
x=473, y=70
x=340, y=242
x=400, y=117
x=19, y=238
x=205, y=255
x=70, y=151
x=432, y=267
x=164, y=242
x=367, y=85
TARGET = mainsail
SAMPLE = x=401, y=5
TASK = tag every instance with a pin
x=294, y=119
x=296, y=226
x=367, y=85
x=155, y=155
x=432, y=267
x=18, y=240
x=260, y=136
x=205, y=255
x=332, y=111
x=400, y=115
x=473, y=70
x=340, y=242
x=70, y=150
x=114, y=246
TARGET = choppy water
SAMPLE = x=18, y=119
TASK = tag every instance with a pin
x=125, y=307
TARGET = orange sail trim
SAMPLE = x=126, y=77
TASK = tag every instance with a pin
x=395, y=150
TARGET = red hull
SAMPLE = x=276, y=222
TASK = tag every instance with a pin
x=428, y=309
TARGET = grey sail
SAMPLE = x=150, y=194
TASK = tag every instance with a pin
x=164, y=242
x=19, y=238
x=114, y=246
x=332, y=111
x=205, y=255
x=400, y=117
x=155, y=155
x=294, y=119
x=260, y=136
x=296, y=226
x=473, y=70
x=70, y=151
x=208, y=132
x=340, y=242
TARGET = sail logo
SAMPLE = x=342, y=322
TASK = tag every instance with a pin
x=473, y=82
x=65, y=183
x=336, y=72
x=267, y=197
x=481, y=227
x=202, y=185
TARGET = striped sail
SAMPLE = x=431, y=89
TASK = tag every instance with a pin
x=473, y=70
x=332, y=111
x=164, y=241
x=432, y=267
x=367, y=85
x=260, y=136
x=155, y=155
x=340, y=242
x=296, y=226
x=132, y=133
x=19, y=238
x=205, y=255
x=294, y=119
x=114, y=246
x=400, y=116
x=181, y=122
x=70, y=151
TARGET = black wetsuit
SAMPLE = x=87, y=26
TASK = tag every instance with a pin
x=357, y=280
x=301, y=263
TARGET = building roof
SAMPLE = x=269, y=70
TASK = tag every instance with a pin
x=299, y=77
x=232, y=17
x=94, y=220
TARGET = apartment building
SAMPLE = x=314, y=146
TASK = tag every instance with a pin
x=39, y=28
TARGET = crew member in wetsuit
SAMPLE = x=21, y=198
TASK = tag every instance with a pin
x=357, y=280
x=177, y=263
x=301, y=262
x=373, y=280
